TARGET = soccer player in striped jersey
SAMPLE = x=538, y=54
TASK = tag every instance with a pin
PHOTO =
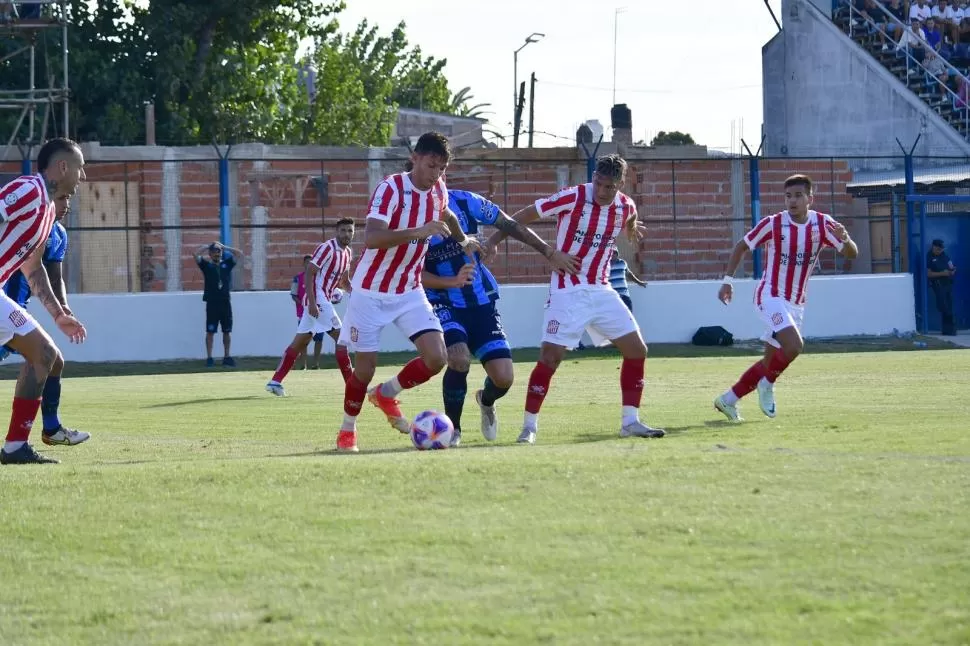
x=463, y=295
x=589, y=217
x=404, y=211
x=793, y=240
x=27, y=214
x=18, y=289
x=328, y=267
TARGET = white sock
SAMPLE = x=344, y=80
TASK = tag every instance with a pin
x=765, y=383
x=391, y=387
x=729, y=397
x=350, y=423
x=10, y=447
x=531, y=420
x=631, y=414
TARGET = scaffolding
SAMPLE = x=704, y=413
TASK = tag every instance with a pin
x=27, y=22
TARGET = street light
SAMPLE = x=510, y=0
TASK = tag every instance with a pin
x=534, y=37
x=616, y=18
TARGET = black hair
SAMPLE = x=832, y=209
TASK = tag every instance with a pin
x=408, y=166
x=343, y=221
x=611, y=166
x=307, y=257
x=52, y=148
x=433, y=143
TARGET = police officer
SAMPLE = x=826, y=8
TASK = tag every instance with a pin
x=940, y=271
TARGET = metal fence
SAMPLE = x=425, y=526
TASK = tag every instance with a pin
x=136, y=225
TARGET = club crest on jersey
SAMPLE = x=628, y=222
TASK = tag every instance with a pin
x=354, y=334
x=11, y=199
x=552, y=327
x=777, y=318
x=17, y=318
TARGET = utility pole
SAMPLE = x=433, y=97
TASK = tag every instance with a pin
x=519, y=106
x=532, y=107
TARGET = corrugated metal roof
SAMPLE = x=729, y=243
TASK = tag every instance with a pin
x=955, y=173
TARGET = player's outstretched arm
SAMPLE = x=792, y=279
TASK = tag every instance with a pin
x=737, y=255
x=466, y=276
x=56, y=277
x=40, y=285
x=524, y=217
x=377, y=235
x=515, y=229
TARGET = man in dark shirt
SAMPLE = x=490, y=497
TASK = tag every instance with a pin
x=940, y=271
x=217, y=274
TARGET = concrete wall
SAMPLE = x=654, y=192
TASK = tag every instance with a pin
x=825, y=95
x=144, y=327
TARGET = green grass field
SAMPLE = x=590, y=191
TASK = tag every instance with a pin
x=205, y=511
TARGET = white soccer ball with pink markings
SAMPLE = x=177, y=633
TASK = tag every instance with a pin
x=337, y=295
x=431, y=430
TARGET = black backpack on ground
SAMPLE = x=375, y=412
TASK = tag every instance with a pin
x=713, y=335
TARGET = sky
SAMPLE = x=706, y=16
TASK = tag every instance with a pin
x=688, y=65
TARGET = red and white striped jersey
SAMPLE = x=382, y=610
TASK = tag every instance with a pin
x=26, y=216
x=332, y=260
x=396, y=201
x=586, y=230
x=792, y=253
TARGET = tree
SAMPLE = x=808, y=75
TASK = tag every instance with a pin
x=672, y=138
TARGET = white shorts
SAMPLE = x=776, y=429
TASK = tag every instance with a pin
x=367, y=315
x=778, y=314
x=14, y=320
x=328, y=320
x=569, y=313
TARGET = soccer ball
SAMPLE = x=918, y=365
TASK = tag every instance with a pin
x=337, y=295
x=431, y=430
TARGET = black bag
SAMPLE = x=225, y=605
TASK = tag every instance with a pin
x=713, y=335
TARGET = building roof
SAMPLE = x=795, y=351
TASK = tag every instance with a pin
x=885, y=178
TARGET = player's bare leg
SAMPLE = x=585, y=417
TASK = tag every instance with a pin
x=454, y=386
x=634, y=352
x=500, y=377
x=317, y=348
x=39, y=353
x=297, y=347
x=226, y=354
x=431, y=359
x=342, y=355
x=208, y=348
x=769, y=368
x=355, y=391
x=54, y=432
x=550, y=356
x=303, y=356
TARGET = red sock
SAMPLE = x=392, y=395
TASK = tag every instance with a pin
x=631, y=381
x=538, y=387
x=343, y=362
x=749, y=380
x=415, y=373
x=22, y=419
x=354, y=393
x=286, y=363
x=776, y=365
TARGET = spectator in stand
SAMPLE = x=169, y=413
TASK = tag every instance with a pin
x=920, y=10
x=914, y=41
x=933, y=37
x=297, y=292
x=891, y=24
x=936, y=66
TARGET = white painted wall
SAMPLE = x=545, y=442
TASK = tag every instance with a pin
x=145, y=327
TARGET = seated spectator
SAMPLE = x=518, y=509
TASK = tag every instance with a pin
x=920, y=10
x=891, y=24
x=913, y=40
x=936, y=66
x=963, y=93
x=948, y=17
x=932, y=35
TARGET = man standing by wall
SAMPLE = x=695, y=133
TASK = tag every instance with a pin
x=940, y=271
x=217, y=274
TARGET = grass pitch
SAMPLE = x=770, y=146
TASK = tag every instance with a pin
x=206, y=511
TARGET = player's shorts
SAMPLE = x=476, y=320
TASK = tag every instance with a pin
x=368, y=314
x=778, y=314
x=478, y=327
x=328, y=320
x=218, y=314
x=600, y=310
x=14, y=320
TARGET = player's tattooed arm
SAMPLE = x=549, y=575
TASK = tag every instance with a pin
x=524, y=217
x=56, y=276
x=40, y=284
x=515, y=227
x=523, y=234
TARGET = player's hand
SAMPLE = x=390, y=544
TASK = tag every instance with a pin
x=635, y=231
x=313, y=310
x=472, y=247
x=641, y=283
x=434, y=228
x=489, y=252
x=840, y=232
x=71, y=327
x=725, y=293
x=563, y=262
x=466, y=275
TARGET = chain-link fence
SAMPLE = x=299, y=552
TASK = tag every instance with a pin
x=136, y=226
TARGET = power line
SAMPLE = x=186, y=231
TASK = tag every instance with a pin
x=699, y=90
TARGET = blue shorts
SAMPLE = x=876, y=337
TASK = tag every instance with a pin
x=6, y=351
x=479, y=327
